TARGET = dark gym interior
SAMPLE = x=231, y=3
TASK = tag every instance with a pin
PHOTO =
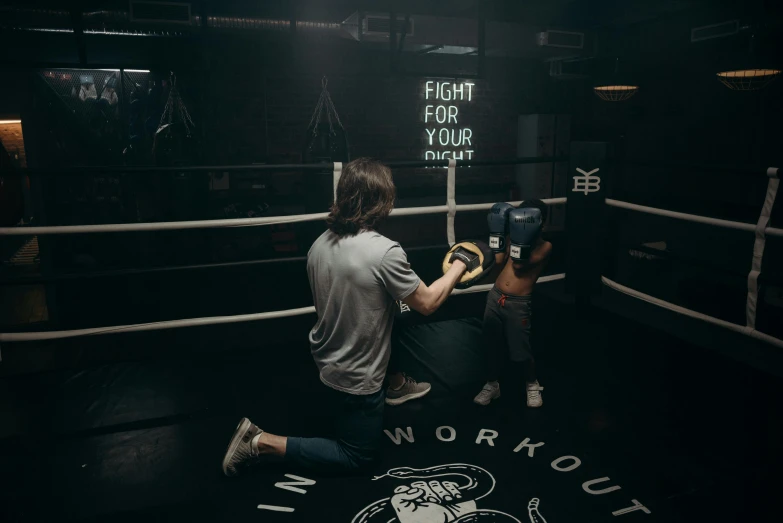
x=123, y=121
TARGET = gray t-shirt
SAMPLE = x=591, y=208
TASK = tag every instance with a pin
x=355, y=280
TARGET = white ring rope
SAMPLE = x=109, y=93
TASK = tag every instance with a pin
x=742, y=226
x=160, y=325
x=451, y=209
x=234, y=222
x=199, y=322
x=160, y=226
x=406, y=211
x=742, y=329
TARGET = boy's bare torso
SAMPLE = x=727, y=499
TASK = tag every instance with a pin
x=519, y=278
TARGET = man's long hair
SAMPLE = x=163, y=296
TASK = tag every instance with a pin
x=365, y=196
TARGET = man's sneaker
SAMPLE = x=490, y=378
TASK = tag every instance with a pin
x=534, y=398
x=240, y=452
x=410, y=390
x=491, y=391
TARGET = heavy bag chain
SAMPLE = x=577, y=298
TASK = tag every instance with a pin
x=325, y=101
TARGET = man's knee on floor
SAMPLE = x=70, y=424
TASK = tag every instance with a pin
x=359, y=459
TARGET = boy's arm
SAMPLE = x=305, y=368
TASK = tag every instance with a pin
x=500, y=262
x=541, y=255
x=501, y=257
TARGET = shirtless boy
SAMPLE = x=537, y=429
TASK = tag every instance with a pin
x=515, y=237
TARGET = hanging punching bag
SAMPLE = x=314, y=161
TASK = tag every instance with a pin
x=174, y=141
x=326, y=141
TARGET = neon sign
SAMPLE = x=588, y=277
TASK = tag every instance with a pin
x=445, y=137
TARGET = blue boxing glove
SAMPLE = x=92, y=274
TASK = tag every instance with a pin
x=524, y=228
x=497, y=219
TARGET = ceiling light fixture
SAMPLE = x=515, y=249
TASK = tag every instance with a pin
x=754, y=72
x=748, y=79
x=615, y=90
x=615, y=93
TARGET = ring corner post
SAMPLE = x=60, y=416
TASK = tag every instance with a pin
x=586, y=219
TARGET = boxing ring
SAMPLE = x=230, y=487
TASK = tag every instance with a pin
x=553, y=465
x=450, y=209
x=761, y=230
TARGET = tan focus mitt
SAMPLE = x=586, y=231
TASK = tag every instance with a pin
x=477, y=268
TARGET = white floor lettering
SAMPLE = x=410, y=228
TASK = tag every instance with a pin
x=274, y=508
x=488, y=435
x=531, y=447
x=430, y=494
x=399, y=435
x=556, y=463
x=452, y=433
x=587, y=484
x=290, y=485
x=636, y=506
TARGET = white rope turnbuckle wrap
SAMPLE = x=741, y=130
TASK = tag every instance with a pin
x=758, y=247
x=336, y=173
x=451, y=201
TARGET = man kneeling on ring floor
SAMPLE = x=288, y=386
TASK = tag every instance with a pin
x=356, y=274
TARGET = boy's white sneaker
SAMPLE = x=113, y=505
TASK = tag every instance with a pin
x=534, y=398
x=490, y=392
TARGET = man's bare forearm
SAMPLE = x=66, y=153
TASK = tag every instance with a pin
x=441, y=288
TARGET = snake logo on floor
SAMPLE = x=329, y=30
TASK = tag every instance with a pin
x=442, y=494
